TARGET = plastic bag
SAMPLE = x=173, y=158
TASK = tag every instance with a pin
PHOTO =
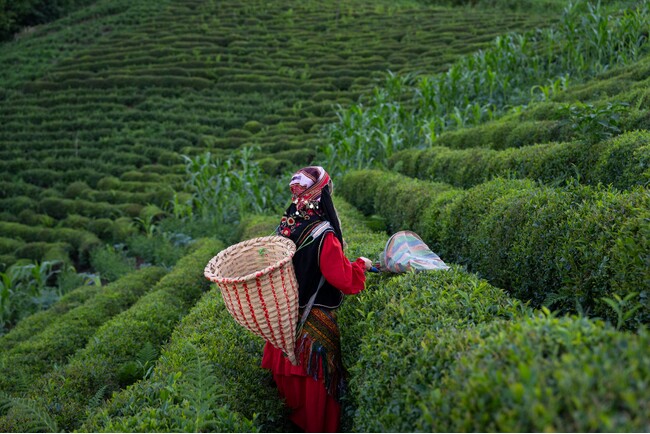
x=406, y=251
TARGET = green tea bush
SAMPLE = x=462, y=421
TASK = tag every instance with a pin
x=98, y=366
x=621, y=161
x=122, y=229
x=59, y=208
x=559, y=247
x=234, y=394
x=424, y=348
x=8, y=245
x=43, y=251
x=82, y=241
x=161, y=249
x=542, y=370
x=17, y=204
x=593, y=122
x=43, y=178
x=75, y=221
x=520, y=5
x=70, y=331
x=37, y=322
x=503, y=134
x=624, y=162
x=12, y=189
x=447, y=352
x=272, y=166
x=76, y=190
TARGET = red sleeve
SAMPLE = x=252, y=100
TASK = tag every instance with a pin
x=348, y=277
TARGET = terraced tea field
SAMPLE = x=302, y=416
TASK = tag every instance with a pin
x=131, y=129
x=97, y=107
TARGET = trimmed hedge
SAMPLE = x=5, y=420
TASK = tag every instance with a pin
x=156, y=404
x=59, y=208
x=623, y=162
x=448, y=352
x=44, y=251
x=565, y=248
x=509, y=132
x=211, y=363
x=104, y=364
x=71, y=331
x=37, y=322
x=81, y=240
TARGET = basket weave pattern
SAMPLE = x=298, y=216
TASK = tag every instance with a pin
x=259, y=288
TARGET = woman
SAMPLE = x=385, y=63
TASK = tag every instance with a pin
x=312, y=388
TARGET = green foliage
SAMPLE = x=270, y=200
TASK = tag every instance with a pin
x=111, y=262
x=38, y=321
x=164, y=249
x=140, y=367
x=621, y=161
x=26, y=13
x=567, y=248
x=39, y=419
x=224, y=189
x=118, y=341
x=25, y=289
x=69, y=331
x=235, y=391
x=594, y=123
x=538, y=375
x=519, y=5
x=446, y=351
x=408, y=111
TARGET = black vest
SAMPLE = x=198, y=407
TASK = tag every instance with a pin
x=309, y=237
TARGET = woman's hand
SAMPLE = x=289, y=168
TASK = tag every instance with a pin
x=367, y=262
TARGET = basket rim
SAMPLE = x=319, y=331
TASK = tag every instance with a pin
x=251, y=276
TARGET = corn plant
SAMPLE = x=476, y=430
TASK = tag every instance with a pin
x=516, y=70
x=224, y=189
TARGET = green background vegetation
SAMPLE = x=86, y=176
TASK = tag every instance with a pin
x=139, y=138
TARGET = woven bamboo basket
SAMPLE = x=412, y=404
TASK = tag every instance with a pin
x=259, y=287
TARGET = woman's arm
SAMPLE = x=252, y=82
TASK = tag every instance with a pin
x=348, y=277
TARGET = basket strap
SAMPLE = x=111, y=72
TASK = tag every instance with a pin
x=310, y=304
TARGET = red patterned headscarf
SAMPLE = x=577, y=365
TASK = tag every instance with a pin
x=307, y=186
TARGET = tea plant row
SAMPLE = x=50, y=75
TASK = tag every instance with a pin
x=571, y=249
x=447, y=351
x=620, y=162
x=108, y=359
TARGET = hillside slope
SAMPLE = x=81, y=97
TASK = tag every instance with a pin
x=98, y=106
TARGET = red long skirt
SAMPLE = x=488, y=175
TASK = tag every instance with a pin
x=314, y=410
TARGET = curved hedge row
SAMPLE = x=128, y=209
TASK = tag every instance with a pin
x=37, y=322
x=239, y=395
x=70, y=331
x=565, y=248
x=448, y=352
x=426, y=352
x=42, y=239
x=623, y=162
x=107, y=361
